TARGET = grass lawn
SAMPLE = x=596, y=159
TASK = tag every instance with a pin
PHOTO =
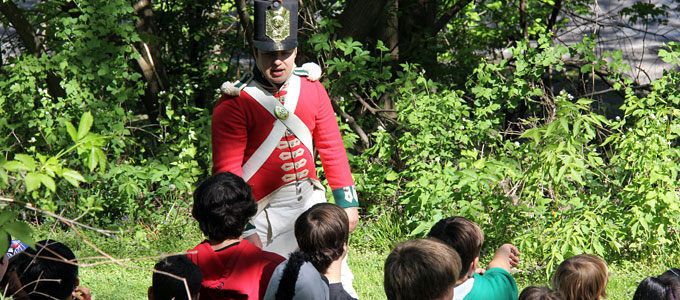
x=368, y=248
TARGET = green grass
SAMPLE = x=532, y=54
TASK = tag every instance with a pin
x=369, y=246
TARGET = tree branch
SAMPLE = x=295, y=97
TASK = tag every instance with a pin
x=553, y=15
x=352, y=123
x=244, y=16
x=448, y=14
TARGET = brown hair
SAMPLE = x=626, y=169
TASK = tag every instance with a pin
x=581, y=277
x=322, y=233
x=538, y=293
x=463, y=235
x=420, y=269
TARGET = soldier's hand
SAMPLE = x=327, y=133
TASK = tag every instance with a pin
x=353, y=216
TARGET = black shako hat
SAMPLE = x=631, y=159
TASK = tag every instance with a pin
x=275, y=25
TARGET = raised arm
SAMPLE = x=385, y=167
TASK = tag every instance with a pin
x=505, y=257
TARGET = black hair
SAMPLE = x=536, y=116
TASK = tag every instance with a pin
x=286, y=289
x=223, y=204
x=666, y=286
x=651, y=288
x=47, y=272
x=166, y=287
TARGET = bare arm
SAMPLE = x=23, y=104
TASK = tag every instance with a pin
x=353, y=215
x=506, y=257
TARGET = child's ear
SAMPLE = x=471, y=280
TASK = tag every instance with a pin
x=475, y=263
x=149, y=293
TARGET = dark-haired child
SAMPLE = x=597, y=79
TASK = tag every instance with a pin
x=664, y=287
x=538, y=293
x=322, y=233
x=581, y=277
x=167, y=287
x=467, y=239
x=49, y=271
x=232, y=267
x=424, y=269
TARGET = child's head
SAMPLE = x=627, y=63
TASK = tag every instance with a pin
x=664, y=287
x=223, y=204
x=322, y=232
x=464, y=236
x=166, y=287
x=421, y=269
x=49, y=271
x=581, y=277
x=538, y=293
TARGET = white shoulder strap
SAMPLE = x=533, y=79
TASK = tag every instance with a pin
x=285, y=119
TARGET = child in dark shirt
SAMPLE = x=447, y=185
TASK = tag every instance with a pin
x=322, y=233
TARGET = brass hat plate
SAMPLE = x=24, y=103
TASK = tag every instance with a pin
x=277, y=24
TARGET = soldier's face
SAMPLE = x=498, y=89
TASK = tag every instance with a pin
x=276, y=65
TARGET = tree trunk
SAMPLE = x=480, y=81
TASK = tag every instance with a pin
x=553, y=16
x=362, y=19
x=523, y=18
x=150, y=61
x=246, y=23
x=32, y=43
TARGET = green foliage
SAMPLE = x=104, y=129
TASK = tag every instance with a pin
x=582, y=182
x=113, y=163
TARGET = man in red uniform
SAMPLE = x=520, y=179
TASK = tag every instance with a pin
x=266, y=128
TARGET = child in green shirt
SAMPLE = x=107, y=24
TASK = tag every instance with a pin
x=474, y=283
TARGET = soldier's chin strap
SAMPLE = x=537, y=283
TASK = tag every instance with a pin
x=257, y=74
x=265, y=83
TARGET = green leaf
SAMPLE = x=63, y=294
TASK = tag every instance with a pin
x=19, y=230
x=4, y=241
x=27, y=160
x=32, y=181
x=48, y=182
x=14, y=166
x=5, y=216
x=92, y=160
x=391, y=176
x=84, y=125
x=101, y=158
x=4, y=179
x=71, y=131
x=73, y=177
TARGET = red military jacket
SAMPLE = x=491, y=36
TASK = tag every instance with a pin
x=240, y=124
x=239, y=271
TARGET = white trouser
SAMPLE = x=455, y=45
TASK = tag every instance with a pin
x=285, y=206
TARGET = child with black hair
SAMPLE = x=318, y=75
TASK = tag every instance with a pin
x=232, y=267
x=167, y=287
x=313, y=272
x=664, y=287
x=49, y=271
